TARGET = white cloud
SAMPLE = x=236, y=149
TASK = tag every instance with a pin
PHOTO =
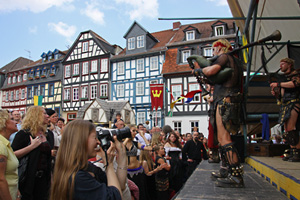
x=33, y=29
x=141, y=8
x=219, y=2
x=93, y=12
x=35, y=6
x=63, y=29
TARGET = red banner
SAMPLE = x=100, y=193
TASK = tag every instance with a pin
x=157, y=96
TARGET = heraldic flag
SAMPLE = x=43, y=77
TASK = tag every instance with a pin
x=157, y=96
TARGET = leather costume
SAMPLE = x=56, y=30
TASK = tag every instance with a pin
x=290, y=98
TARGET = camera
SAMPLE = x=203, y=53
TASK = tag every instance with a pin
x=106, y=135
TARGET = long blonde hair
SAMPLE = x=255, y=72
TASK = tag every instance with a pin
x=72, y=156
x=34, y=120
x=155, y=140
x=145, y=156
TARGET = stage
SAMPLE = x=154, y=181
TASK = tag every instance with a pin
x=265, y=178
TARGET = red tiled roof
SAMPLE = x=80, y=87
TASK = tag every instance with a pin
x=170, y=65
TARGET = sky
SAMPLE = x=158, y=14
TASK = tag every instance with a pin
x=31, y=27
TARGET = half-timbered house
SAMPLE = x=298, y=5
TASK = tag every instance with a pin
x=86, y=72
x=13, y=89
x=45, y=80
x=138, y=66
x=192, y=39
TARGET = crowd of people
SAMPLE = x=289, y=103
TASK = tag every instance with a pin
x=42, y=158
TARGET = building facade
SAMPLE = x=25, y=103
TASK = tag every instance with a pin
x=86, y=72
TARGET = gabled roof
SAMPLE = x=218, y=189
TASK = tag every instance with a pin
x=15, y=65
x=147, y=33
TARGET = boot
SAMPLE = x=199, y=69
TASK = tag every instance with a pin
x=287, y=154
x=295, y=155
x=214, y=158
x=223, y=173
x=230, y=182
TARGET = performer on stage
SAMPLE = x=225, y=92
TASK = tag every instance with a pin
x=227, y=117
x=288, y=94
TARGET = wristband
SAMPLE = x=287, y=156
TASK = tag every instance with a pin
x=142, y=147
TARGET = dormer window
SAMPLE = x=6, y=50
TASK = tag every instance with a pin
x=190, y=35
x=56, y=56
x=207, y=52
x=219, y=30
x=9, y=80
x=52, y=70
x=49, y=57
x=44, y=59
x=131, y=43
x=19, y=78
x=140, y=41
x=185, y=55
x=37, y=73
x=14, y=79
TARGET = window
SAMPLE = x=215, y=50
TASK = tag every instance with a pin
x=29, y=93
x=75, y=94
x=94, y=66
x=56, y=56
x=85, y=68
x=67, y=94
x=154, y=63
x=42, y=90
x=131, y=43
x=22, y=93
x=176, y=91
x=76, y=69
x=185, y=55
x=192, y=87
x=44, y=72
x=9, y=80
x=219, y=30
x=14, y=79
x=103, y=90
x=93, y=91
x=19, y=78
x=190, y=35
x=177, y=126
x=17, y=94
x=141, y=117
x=140, y=41
x=11, y=95
x=104, y=65
x=68, y=71
x=85, y=46
x=35, y=91
x=24, y=77
x=84, y=92
x=71, y=116
x=7, y=96
x=157, y=116
x=207, y=52
x=52, y=70
x=121, y=68
x=51, y=90
x=37, y=74
x=194, y=124
x=140, y=88
x=49, y=57
x=140, y=65
x=120, y=90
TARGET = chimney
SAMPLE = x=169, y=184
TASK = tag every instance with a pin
x=176, y=25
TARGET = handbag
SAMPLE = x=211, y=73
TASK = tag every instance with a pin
x=22, y=168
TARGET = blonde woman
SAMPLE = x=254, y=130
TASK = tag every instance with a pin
x=8, y=160
x=72, y=179
x=32, y=141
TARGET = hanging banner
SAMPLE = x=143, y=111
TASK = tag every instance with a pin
x=157, y=96
x=37, y=100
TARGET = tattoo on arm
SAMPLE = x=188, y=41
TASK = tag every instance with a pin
x=2, y=160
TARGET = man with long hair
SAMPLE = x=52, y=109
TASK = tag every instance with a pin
x=227, y=110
